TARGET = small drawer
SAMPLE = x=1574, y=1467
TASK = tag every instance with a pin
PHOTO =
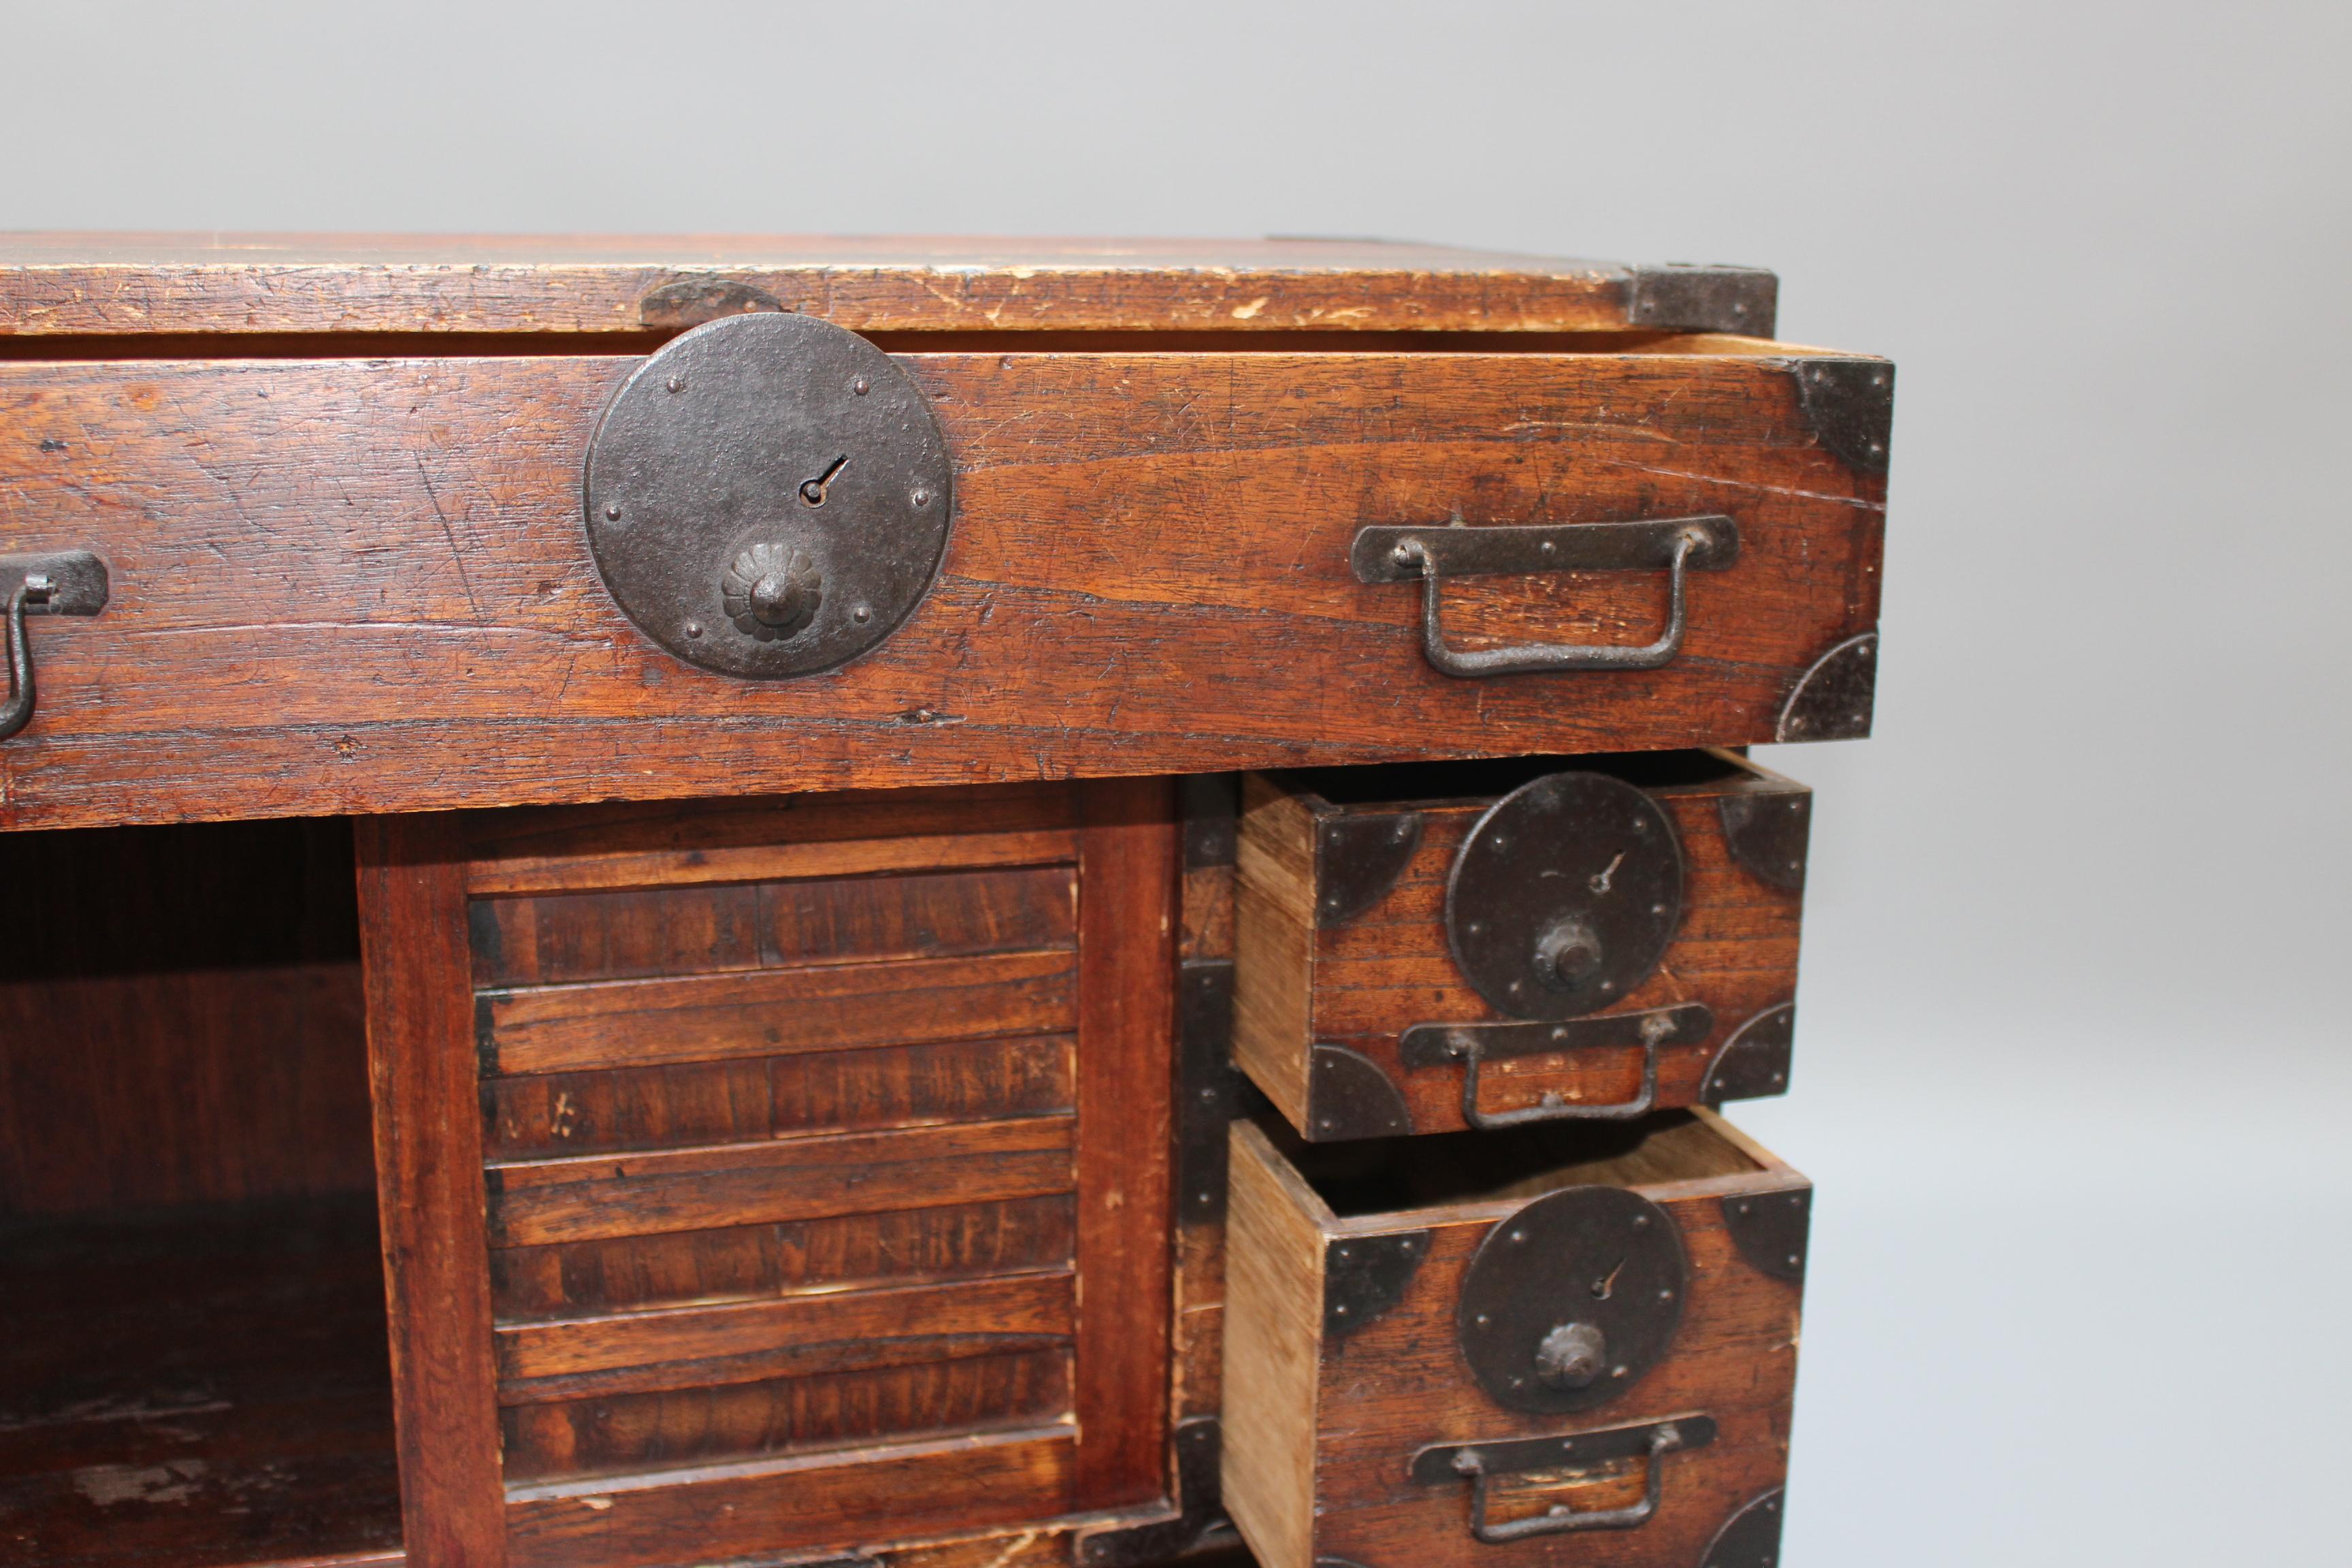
x=1558, y=1345
x=1422, y=949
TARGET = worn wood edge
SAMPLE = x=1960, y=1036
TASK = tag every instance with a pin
x=1273, y=1316
x=1025, y=1304
x=1131, y=881
x=777, y=1467
x=771, y=862
x=430, y=1187
x=1274, y=944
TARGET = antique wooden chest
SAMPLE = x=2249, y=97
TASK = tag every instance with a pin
x=934, y=904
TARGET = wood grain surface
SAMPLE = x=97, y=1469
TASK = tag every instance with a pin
x=348, y=585
x=1362, y=983
x=53, y=284
x=1396, y=1384
x=429, y=1187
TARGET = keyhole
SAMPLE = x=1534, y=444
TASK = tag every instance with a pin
x=1606, y=1285
x=812, y=491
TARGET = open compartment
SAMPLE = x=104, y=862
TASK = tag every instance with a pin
x=193, y=1363
x=1559, y=1344
x=1423, y=947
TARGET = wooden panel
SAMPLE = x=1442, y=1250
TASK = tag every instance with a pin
x=1274, y=1321
x=1149, y=573
x=707, y=1018
x=903, y=1491
x=741, y=1341
x=1130, y=866
x=1396, y=1382
x=957, y=1241
x=591, y=1197
x=635, y=933
x=1362, y=983
x=196, y=1387
x=769, y=1097
x=848, y=833
x=180, y=1017
x=123, y=283
x=706, y=1425
x=429, y=1187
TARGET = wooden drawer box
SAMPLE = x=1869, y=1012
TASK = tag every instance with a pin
x=359, y=572
x=1558, y=1345
x=1420, y=949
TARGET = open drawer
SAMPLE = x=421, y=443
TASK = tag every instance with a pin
x=1421, y=949
x=1562, y=1345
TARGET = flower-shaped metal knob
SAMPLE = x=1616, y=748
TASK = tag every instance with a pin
x=772, y=591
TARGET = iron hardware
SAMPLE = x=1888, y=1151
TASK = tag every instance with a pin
x=1473, y=1044
x=1770, y=1231
x=1831, y=701
x=1357, y=858
x=1584, y=1278
x=59, y=583
x=1564, y=895
x=1755, y=1060
x=1480, y=1463
x=1766, y=831
x=1365, y=1276
x=769, y=495
x=1347, y=1096
x=1387, y=554
x=1750, y=1538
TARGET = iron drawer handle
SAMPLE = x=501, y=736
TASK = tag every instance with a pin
x=1469, y=1047
x=1679, y=544
x=64, y=582
x=1561, y=1520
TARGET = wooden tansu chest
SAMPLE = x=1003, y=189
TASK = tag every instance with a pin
x=921, y=904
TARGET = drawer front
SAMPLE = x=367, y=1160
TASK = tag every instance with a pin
x=1600, y=1373
x=1426, y=949
x=348, y=585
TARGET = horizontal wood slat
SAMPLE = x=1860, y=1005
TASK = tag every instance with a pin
x=1148, y=573
x=770, y=1097
x=795, y=1334
x=897, y=1492
x=956, y=1241
x=692, y=1425
x=634, y=1023
x=628, y=934
x=538, y=1202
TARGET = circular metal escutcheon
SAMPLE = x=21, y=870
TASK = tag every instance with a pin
x=1568, y=1301
x=1564, y=895
x=769, y=495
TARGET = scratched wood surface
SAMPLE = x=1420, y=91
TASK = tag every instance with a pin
x=820, y=1147
x=1367, y=1401
x=364, y=586
x=56, y=284
x=198, y=1386
x=1362, y=983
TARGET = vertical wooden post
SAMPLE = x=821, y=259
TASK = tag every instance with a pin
x=1129, y=872
x=424, y=1083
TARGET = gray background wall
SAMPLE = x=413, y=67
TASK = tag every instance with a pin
x=2071, y=1063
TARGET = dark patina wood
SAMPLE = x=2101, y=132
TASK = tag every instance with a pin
x=53, y=285
x=353, y=585
x=429, y=1190
x=1358, y=983
x=1322, y=1426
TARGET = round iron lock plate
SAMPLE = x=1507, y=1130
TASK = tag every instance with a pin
x=1568, y=1302
x=1564, y=895
x=769, y=495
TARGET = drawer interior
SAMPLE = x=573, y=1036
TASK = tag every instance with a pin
x=1384, y=1176
x=1427, y=784
x=194, y=1362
